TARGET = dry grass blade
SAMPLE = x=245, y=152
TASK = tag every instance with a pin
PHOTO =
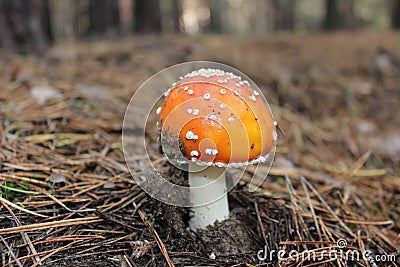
x=362, y=248
x=38, y=189
x=260, y=224
x=11, y=252
x=330, y=209
x=56, y=251
x=381, y=223
x=311, y=207
x=5, y=201
x=40, y=138
x=25, y=236
x=128, y=261
x=38, y=226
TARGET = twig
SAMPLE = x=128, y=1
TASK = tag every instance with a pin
x=24, y=236
x=362, y=247
x=129, y=261
x=330, y=209
x=110, y=218
x=156, y=237
x=11, y=252
x=37, y=226
x=311, y=207
x=56, y=251
x=260, y=222
x=5, y=201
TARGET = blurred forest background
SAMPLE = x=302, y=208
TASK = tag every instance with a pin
x=28, y=25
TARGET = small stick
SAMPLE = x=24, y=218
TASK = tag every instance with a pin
x=38, y=226
x=378, y=223
x=24, y=235
x=56, y=251
x=362, y=247
x=11, y=252
x=260, y=222
x=311, y=207
x=330, y=209
x=128, y=260
x=110, y=218
x=155, y=236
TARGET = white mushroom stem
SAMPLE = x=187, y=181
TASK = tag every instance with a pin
x=214, y=195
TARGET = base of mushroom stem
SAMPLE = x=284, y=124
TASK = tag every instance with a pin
x=207, y=186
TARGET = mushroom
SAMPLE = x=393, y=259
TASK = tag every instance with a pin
x=213, y=120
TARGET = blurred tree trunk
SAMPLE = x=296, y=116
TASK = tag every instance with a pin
x=104, y=17
x=284, y=14
x=25, y=24
x=170, y=15
x=6, y=31
x=64, y=16
x=176, y=14
x=147, y=16
x=339, y=14
x=395, y=14
x=216, y=7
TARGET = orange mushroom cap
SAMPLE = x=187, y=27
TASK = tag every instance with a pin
x=218, y=119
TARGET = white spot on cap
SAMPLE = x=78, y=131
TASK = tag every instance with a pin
x=158, y=110
x=194, y=159
x=194, y=153
x=237, y=92
x=196, y=112
x=213, y=117
x=191, y=136
x=253, y=97
x=207, y=96
x=185, y=88
x=222, y=106
x=275, y=123
x=167, y=92
x=189, y=111
x=222, y=91
x=255, y=92
x=190, y=92
x=211, y=151
x=231, y=119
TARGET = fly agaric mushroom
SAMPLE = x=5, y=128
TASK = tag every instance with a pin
x=213, y=120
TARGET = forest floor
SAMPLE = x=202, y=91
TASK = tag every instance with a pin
x=68, y=199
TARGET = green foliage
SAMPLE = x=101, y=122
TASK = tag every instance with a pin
x=372, y=13
x=13, y=191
